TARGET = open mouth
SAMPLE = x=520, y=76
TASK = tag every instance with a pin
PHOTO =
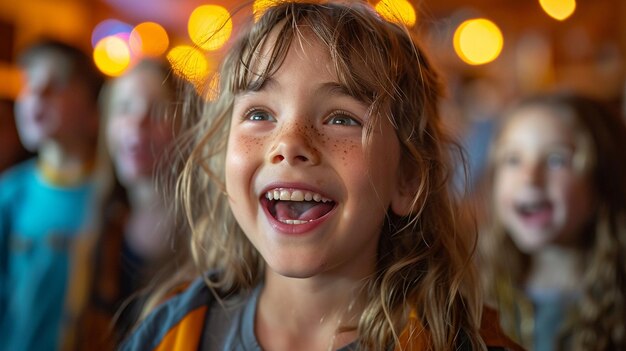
x=536, y=211
x=296, y=206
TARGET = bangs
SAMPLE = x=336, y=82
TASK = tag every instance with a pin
x=360, y=56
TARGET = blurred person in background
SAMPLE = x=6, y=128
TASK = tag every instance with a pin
x=138, y=236
x=555, y=249
x=11, y=148
x=47, y=204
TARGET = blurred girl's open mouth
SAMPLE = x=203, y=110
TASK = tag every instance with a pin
x=535, y=212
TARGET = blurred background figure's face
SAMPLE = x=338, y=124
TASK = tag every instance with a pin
x=51, y=107
x=541, y=197
x=138, y=130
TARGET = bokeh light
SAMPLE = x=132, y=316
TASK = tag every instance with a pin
x=478, y=41
x=558, y=9
x=398, y=11
x=260, y=6
x=189, y=63
x=112, y=55
x=108, y=28
x=148, y=39
x=210, y=26
x=11, y=83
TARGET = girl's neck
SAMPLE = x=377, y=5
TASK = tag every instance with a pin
x=311, y=313
x=148, y=227
x=66, y=166
x=556, y=268
x=143, y=195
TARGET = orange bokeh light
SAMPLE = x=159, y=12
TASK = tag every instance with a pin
x=149, y=39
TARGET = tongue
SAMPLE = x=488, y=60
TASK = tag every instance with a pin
x=301, y=210
x=538, y=216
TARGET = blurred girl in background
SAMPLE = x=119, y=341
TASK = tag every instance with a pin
x=555, y=250
x=138, y=228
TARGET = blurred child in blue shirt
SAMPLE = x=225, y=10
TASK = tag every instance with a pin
x=47, y=203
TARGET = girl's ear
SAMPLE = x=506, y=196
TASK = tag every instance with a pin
x=403, y=199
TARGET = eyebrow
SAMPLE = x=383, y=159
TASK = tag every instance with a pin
x=328, y=88
x=334, y=88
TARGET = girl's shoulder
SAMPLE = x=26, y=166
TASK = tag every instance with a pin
x=175, y=324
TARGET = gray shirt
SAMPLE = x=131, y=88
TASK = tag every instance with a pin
x=230, y=326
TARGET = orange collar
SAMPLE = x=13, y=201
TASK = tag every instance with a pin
x=65, y=177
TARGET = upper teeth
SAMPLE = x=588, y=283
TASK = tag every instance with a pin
x=295, y=195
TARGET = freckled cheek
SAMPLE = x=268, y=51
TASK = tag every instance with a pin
x=243, y=156
x=245, y=145
x=349, y=153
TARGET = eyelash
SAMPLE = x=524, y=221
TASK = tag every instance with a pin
x=348, y=115
x=352, y=120
x=255, y=110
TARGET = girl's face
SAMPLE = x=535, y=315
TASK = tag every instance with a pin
x=540, y=196
x=137, y=130
x=298, y=178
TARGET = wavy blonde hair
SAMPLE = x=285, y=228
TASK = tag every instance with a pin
x=598, y=321
x=423, y=261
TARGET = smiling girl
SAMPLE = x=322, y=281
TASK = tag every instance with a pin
x=316, y=192
x=559, y=232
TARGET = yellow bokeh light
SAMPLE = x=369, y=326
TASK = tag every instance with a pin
x=148, y=39
x=260, y=6
x=558, y=9
x=189, y=63
x=112, y=55
x=210, y=26
x=478, y=41
x=399, y=11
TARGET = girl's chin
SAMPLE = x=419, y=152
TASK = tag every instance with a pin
x=301, y=271
x=130, y=177
x=531, y=244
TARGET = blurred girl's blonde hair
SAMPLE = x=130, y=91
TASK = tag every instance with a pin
x=423, y=261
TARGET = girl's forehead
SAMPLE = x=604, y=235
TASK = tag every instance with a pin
x=303, y=51
x=539, y=125
x=302, y=42
x=536, y=116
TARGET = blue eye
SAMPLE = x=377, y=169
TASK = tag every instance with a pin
x=557, y=160
x=343, y=119
x=256, y=115
x=510, y=160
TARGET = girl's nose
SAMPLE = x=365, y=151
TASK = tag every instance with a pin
x=293, y=146
x=534, y=173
